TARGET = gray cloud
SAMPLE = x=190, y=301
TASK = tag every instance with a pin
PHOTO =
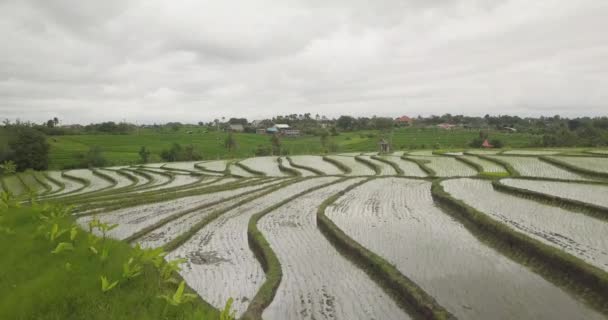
x=155, y=61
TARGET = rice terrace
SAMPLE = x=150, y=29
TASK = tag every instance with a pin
x=304, y=160
x=498, y=234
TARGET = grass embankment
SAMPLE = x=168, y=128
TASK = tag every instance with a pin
x=404, y=291
x=250, y=170
x=390, y=163
x=37, y=284
x=301, y=167
x=341, y=166
x=510, y=170
x=123, y=149
x=369, y=164
x=162, y=195
x=422, y=164
x=592, y=210
x=267, y=258
x=555, y=265
x=289, y=171
x=182, y=238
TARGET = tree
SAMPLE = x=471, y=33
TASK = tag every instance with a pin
x=345, y=123
x=230, y=142
x=276, y=144
x=242, y=121
x=383, y=123
x=144, y=154
x=30, y=149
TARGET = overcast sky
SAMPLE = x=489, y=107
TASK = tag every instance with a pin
x=155, y=60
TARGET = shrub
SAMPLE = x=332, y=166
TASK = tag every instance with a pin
x=93, y=158
x=262, y=150
x=179, y=153
x=496, y=143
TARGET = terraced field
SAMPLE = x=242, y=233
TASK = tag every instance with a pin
x=446, y=166
x=364, y=236
x=593, y=164
x=534, y=167
x=589, y=193
x=579, y=235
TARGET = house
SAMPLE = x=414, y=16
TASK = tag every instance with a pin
x=446, y=126
x=281, y=126
x=486, y=144
x=384, y=146
x=404, y=121
x=272, y=130
x=236, y=127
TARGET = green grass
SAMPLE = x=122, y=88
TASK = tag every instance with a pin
x=35, y=284
x=123, y=149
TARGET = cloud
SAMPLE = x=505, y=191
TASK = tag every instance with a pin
x=157, y=61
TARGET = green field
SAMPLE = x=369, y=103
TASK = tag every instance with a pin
x=123, y=149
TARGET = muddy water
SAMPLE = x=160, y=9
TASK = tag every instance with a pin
x=532, y=152
x=590, y=193
x=182, y=165
x=317, y=163
x=577, y=234
x=591, y=163
x=70, y=185
x=173, y=229
x=133, y=219
x=268, y=165
x=240, y=172
x=218, y=165
x=488, y=166
x=397, y=219
x=318, y=283
x=96, y=183
x=533, y=167
x=303, y=172
x=409, y=168
x=385, y=169
x=121, y=181
x=220, y=264
x=447, y=166
x=158, y=180
x=358, y=168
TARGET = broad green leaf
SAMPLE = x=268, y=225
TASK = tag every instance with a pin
x=63, y=246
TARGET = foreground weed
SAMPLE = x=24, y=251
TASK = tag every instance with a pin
x=155, y=257
x=169, y=268
x=106, y=285
x=8, y=200
x=228, y=313
x=63, y=247
x=179, y=297
x=131, y=269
